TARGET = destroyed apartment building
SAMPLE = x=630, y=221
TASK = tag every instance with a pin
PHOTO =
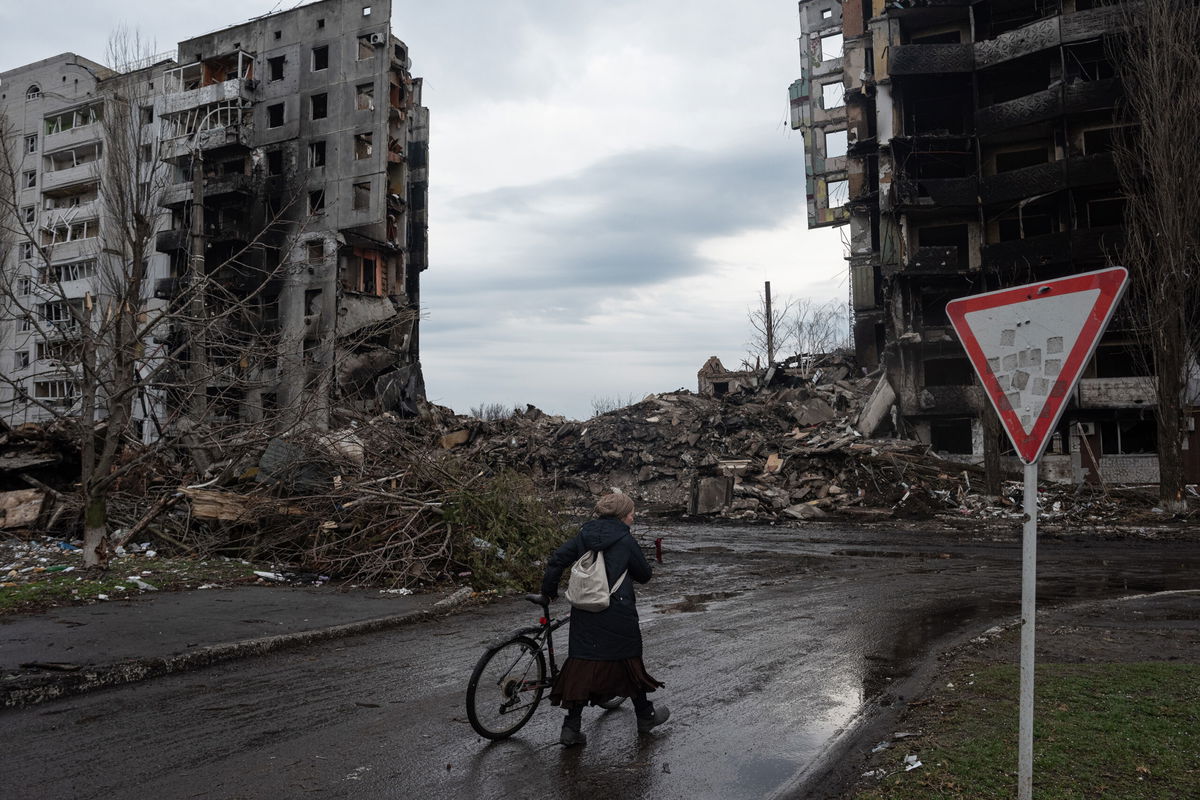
x=968, y=146
x=288, y=158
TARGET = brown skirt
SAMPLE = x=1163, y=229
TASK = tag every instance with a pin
x=583, y=681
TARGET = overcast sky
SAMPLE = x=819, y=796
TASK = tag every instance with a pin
x=610, y=183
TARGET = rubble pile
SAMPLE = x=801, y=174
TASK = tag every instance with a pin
x=788, y=451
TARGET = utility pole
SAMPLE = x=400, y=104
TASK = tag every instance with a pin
x=769, y=324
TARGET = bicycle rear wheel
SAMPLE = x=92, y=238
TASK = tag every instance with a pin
x=506, y=687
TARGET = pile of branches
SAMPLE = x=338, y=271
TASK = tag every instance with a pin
x=373, y=505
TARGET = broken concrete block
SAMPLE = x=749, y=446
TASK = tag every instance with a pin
x=813, y=411
x=20, y=508
x=710, y=495
x=774, y=464
x=804, y=511
x=456, y=438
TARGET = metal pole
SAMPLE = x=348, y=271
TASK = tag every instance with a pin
x=1028, y=619
x=769, y=319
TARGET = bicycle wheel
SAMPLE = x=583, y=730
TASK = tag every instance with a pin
x=506, y=687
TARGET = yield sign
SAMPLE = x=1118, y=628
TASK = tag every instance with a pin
x=1030, y=343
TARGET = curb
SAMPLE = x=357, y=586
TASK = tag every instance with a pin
x=30, y=690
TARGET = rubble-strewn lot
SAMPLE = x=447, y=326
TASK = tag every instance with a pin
x=417, y=502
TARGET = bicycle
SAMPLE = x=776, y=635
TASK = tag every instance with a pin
x=510, y=677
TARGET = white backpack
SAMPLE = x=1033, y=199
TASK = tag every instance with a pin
x=587, y=588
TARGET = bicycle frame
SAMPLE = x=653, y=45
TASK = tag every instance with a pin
x=543, y=635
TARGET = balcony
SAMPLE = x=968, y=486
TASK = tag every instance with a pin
x=215, y=80
x=216, y=186
x=1117, y=392
x=1040, y=179
x=61, y=179
x=935, y=261
x=930, y=59
x=218, y=137
x=73, y=137
x=1075, y=98
x=73, y=250
x=1032, y=38
x=172, y=241
x=935, y=192
x=167, y=288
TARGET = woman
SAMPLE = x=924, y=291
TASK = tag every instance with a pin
x=604, y=658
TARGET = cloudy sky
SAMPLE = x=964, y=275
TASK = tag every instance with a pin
x=610, y=183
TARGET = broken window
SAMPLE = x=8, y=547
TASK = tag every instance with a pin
x=20, y=359
x=951, y=436
x=60, y=392
x=319, y=106
x=31, y=143
x=1105, y=212
x=29, y=214
x=1099, y=140
x=275, y=68
x=320, y=24
x=316, y=154
x=836, y=144
x=33, y=92
x=364, y=99
x=831, y=47
x=1123, y=361
x=147, y=114
x=1019, y=159
x=73, y=157
x=24, y=286
x=278, y=35
x=363, y=145
x=833, y=95
x=837, y=193
x=29, y=179
x=954, y=237
x=1035, y=219
x=26, y=251
x=362, y=196
x=948, y=372
x=947, y=37
x=366, y=46
x=316, y=202
x=275, y=115
x=88, y=115
x=320, y=58
x=1129, y=437
x=275, y=162
x=315, y=250
x=65, y=273
x=363, y=274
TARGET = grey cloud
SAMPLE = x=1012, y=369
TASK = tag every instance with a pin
x=635, y=218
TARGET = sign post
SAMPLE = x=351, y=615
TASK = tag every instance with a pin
x=1029, y=345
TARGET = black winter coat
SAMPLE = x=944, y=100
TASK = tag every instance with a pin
x=612, y=634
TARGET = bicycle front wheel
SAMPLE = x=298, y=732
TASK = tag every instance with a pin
x=506, y=687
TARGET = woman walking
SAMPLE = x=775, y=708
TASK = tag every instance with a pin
x=604, y=658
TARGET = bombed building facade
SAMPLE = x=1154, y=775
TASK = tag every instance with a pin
x=288, y=161
x=967, y=145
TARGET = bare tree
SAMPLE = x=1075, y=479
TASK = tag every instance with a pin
x=819, y=327
x=769, y=332
x=1157, y=60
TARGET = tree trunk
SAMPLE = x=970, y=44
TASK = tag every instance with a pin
x=1170, y=441
x=95, y=531
x=991, y=451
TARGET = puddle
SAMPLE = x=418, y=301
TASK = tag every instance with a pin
x=695, y=602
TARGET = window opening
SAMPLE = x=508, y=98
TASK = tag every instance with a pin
x=365, y=97
x=275, y=115
x=31, y=143
x=320, y=58
x=275, y=162
x=831, y=47
x=319, y=106
x=363, y=145
x=316, y=154
x=833, y=95
x=838, y=193
x=275, y=68
x=316, y=202
x=366, y=49
x=362, y=196
x=836, y=144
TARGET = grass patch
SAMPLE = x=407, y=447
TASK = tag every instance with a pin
x=49, y=588
x=1111, y=731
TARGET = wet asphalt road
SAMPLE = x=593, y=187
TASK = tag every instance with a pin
x=774, y=644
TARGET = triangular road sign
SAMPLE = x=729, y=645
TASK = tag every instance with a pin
x=1029, y=345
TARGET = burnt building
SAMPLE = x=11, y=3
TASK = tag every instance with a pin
x=968, y=146
x=289, y=160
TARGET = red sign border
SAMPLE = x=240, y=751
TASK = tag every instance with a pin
x=1111, y=283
